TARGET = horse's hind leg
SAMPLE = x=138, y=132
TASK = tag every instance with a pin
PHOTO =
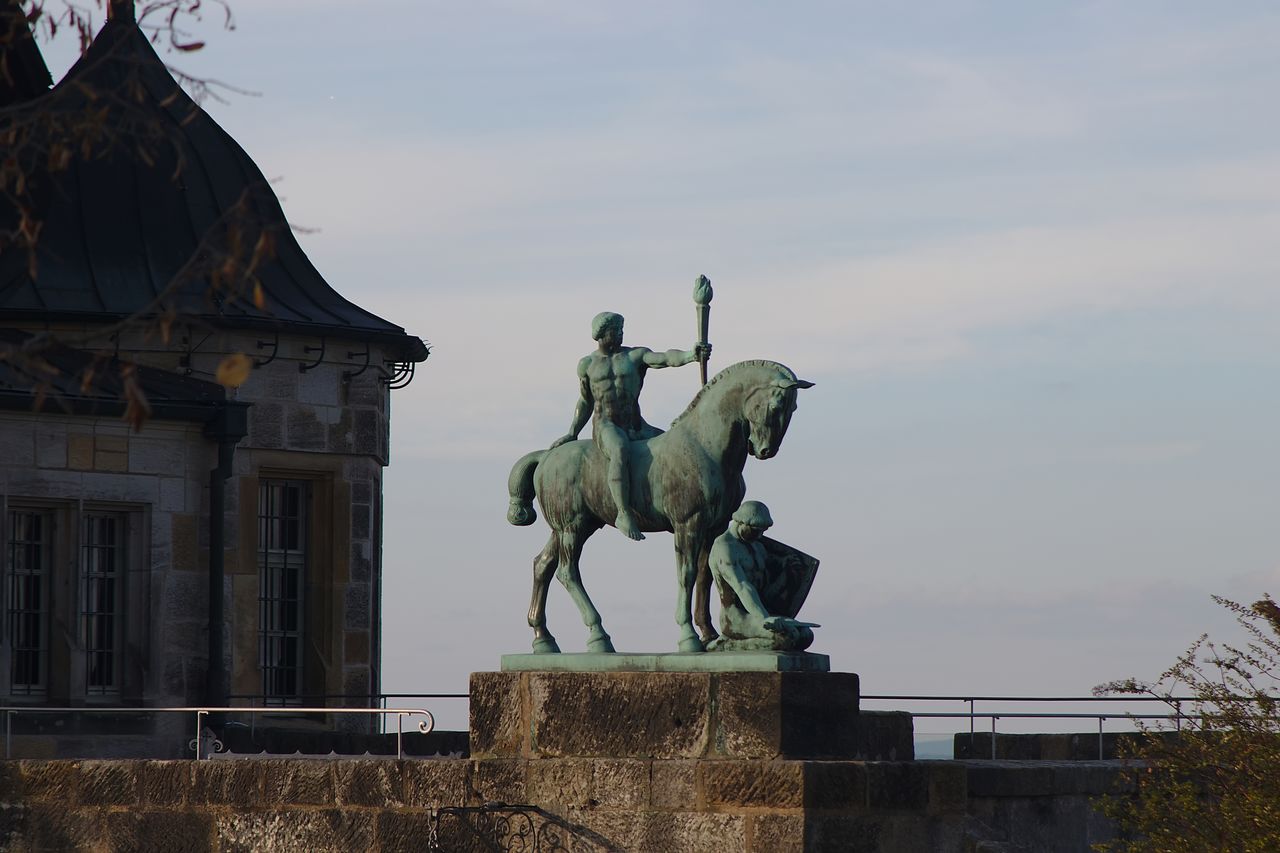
x=544, y=567
x=570, y=552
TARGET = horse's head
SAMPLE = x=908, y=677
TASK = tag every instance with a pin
x=768, y=411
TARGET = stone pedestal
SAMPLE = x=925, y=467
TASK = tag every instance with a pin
x=758, y=761
x=665, y=715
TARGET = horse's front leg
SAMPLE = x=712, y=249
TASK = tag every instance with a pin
x=702, y=594
x=688, y=545
x=571, y=543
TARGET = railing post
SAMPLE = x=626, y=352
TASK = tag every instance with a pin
x=200, y=714
x=399, y=735
x=1100, y=719
x=971, y=733
x=993, y=736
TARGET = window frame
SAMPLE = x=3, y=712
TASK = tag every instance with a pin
x=120, y=552
x=28, y=693
x=67, y=669
x=303, y=570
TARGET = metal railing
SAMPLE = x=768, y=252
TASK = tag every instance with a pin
x=198, y=742
x=426, y=726
x=380, y=698
x=972, y=715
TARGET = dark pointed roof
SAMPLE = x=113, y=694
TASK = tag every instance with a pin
x=120, y=228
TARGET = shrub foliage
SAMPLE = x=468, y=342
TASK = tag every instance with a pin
x=1215, y=785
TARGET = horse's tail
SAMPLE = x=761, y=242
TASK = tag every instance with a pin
x=520, y=486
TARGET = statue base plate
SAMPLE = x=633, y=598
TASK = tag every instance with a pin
x=744, y=661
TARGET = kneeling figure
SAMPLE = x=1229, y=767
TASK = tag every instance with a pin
x=753, y=575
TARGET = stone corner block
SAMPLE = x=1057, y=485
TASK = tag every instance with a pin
x=497, y=717
x=798, y=715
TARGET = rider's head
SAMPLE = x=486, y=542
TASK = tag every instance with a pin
x=752, y=519
x=605, y=322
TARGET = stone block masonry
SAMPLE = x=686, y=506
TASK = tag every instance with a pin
x=750, y=715
x=758, y=762
x=597, y=804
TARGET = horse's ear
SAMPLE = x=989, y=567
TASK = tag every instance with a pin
x=794, y=383
x=803, y=383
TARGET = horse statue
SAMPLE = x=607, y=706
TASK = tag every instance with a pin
x=687, y=481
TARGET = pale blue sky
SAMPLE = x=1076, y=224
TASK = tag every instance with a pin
x=1028, y=251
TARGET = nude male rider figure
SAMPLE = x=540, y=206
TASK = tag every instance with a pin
x=611, y=379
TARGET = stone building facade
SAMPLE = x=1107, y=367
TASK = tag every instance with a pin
x=224, y=548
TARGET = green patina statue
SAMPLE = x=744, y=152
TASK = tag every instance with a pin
x=762, y=584
x=610, y=380
x=686, y=481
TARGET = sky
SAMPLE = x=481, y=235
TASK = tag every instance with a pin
x=1027, y=252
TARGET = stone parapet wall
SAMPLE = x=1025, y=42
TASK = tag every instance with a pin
x=757, y=806
x=226, y=805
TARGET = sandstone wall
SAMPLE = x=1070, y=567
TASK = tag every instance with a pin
x=760, y=806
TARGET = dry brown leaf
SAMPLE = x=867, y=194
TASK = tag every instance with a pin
x=234, y=370
x=137, y=408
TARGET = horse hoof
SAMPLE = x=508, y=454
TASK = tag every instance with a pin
x=545, y=646
x=692, y=644
x=599, y=641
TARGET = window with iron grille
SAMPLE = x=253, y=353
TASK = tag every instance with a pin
x=66, y=566
x=102, y=562
x=283, y=519
x=27, y=565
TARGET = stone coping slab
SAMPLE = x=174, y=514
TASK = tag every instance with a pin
x=671, y=662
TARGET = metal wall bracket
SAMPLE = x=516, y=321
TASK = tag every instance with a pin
x=275, y=350
x=303, y=368
x=348, y=375
x=399, y=374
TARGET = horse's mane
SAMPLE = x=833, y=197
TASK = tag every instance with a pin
x=732, y=369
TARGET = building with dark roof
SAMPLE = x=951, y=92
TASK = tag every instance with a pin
x=169, y=540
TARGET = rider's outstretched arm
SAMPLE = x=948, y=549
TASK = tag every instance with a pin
x=674, y=357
